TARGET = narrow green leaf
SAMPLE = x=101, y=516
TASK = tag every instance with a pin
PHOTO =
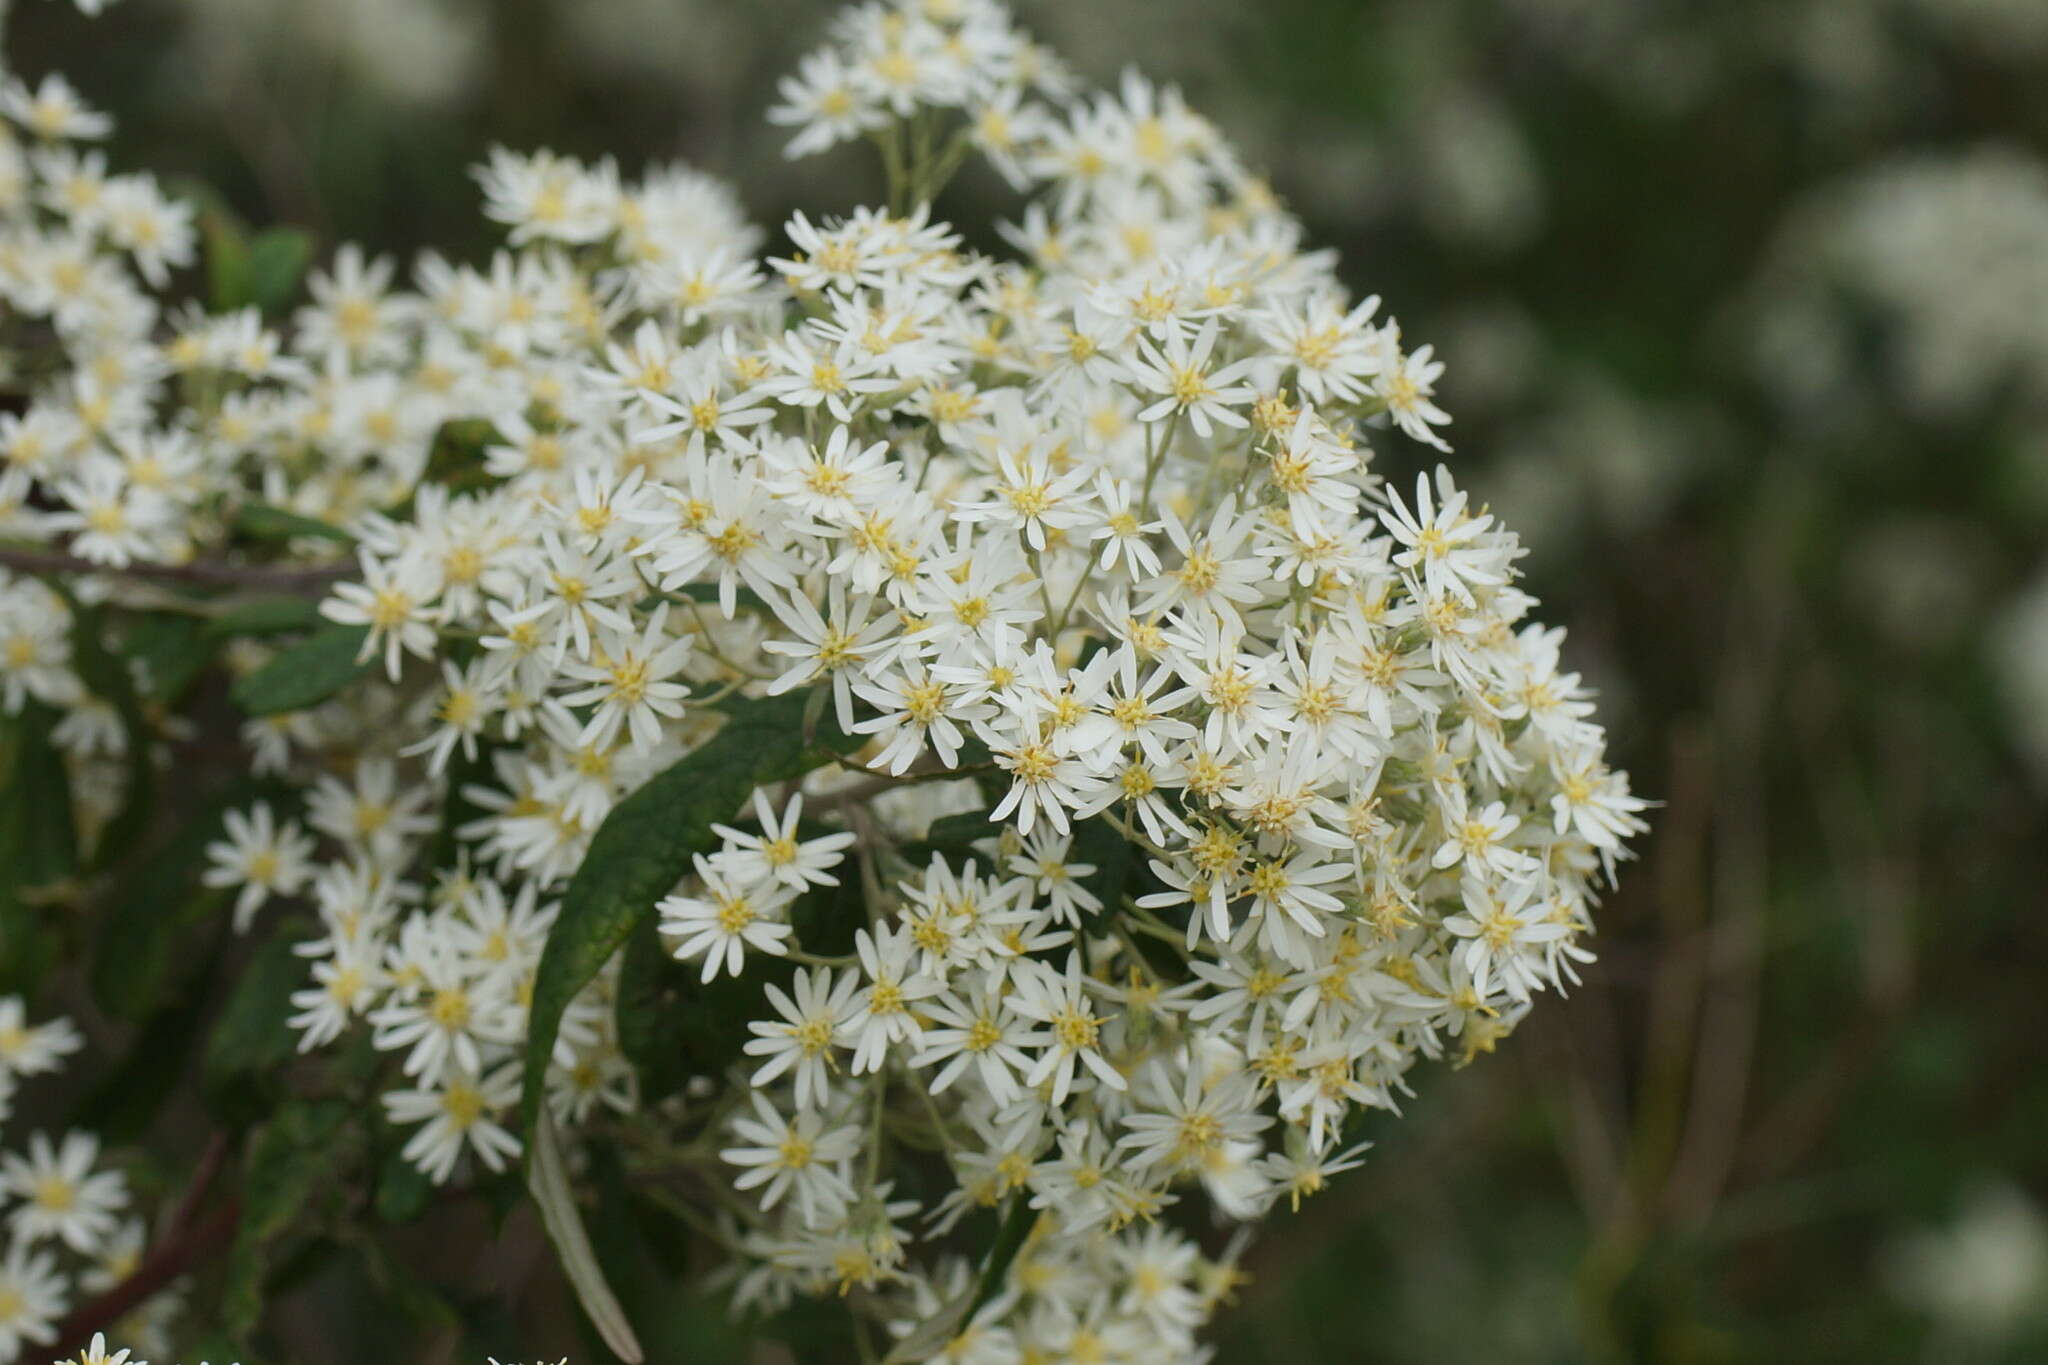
x=306, y=674
x=291, y=1162
x=549, y=1181
x=253, y=1036
x=1100, y=844
x=645, y=846
x=929, y=1340
x=1017, y=1225
x=35, y=846
x=159, y=898
x=227, y=259
x=650, y=994
x=110, y=680
x=35, y=803
x=403, y=1190
x=125, y=1101
x=645, y=1254
x=170, y=650
x=277, y=261
x=265, y=522
x=265, y=616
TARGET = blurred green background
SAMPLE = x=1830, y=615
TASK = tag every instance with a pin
x=1746, y=310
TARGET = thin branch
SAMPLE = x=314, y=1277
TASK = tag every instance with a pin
x=280, y=577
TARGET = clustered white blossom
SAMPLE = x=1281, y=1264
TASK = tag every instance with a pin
x=1084, y=541
x=66, y=1229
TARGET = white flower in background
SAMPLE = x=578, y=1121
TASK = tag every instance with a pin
x=392, y=602
x=802, y=1040
x=260, y=857
x=96, y=1353
x=33, y=1049
x=52, y=111
x=33, y=1296
x=733, y=912
x=776, y=853
x=61, y=1195
x=797, y=1157
x=457, y=1114
x=1984, y=1275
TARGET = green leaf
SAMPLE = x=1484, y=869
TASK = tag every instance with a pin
x=265, y=616
x=171, y=649
x=673, y=1024
x=708, y=594
x=227, y=259
x=33, y=847
x=306, y=674
x=36, y=831
x=952, y=836
x=253, y=1036
x=279, y=1171
x=457, y=807
x=1017, y=1225
x=264, y=522
x=1100, y=843
x=276, y=262
x=125, y=1101
x=652, y=1033
x=645, y=846
x=111, y=681
x=261, y=272
x=415, y=1296
x=827, y=919
x=403, y=1190
x=644, y=1254
x=959, y=831
x=548, y=1179
x=158, y=899
x=457, y=456
x=38, y=845
x=928, y=1341
x=289, y=1169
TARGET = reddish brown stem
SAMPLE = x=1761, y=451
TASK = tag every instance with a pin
x=281, y=577
x=187, y=1242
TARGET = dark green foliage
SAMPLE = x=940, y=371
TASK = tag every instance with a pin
x=262, y=271
x=265, y=616
x=169, y=650
x=289, y=1179
x=252, y=1038
x=647, y=842
x=306, y=673
x=38, y=846
x=262, y=521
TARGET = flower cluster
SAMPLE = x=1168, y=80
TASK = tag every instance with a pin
x=1198, y=782
x=65, y=1219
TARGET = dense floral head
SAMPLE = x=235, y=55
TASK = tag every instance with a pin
x=1132, y=784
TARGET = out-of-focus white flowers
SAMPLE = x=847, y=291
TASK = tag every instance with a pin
x=1983, y=1275
x=65, y=1233
x=1947, y=251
